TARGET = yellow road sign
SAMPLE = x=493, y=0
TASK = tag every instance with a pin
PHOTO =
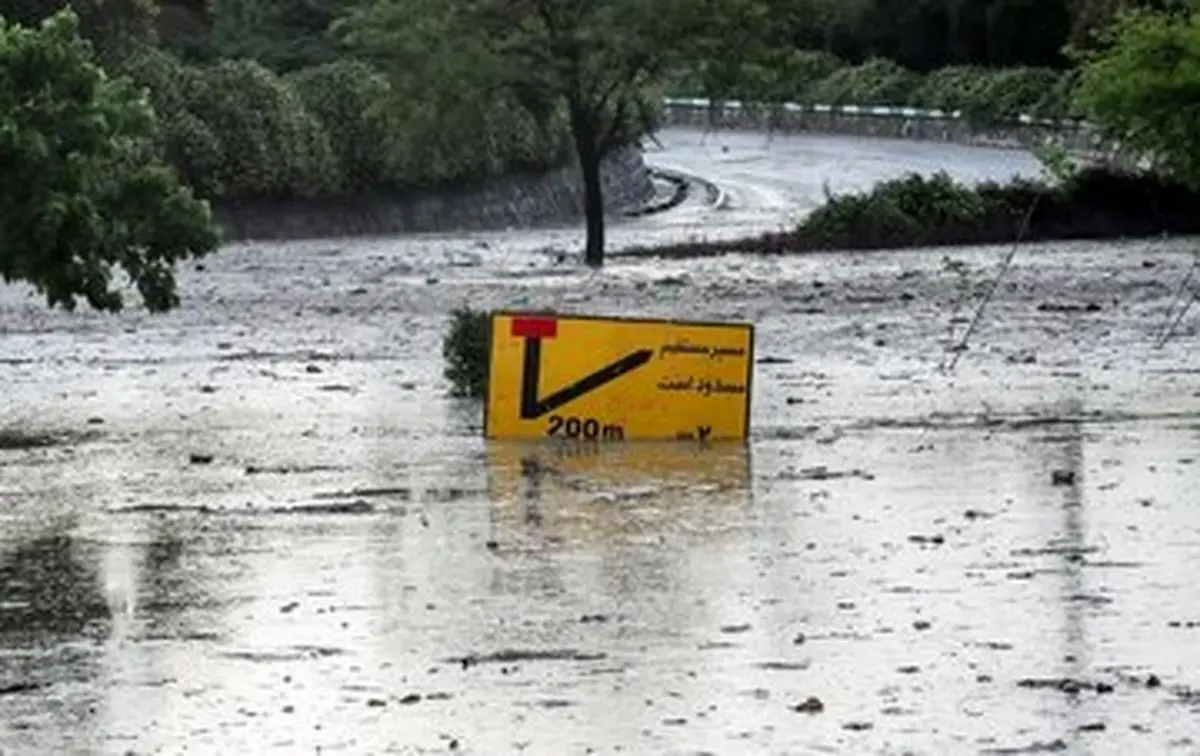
x=613, y=379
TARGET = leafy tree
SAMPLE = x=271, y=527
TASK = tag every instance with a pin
x=1142, y=87
x=449, y=116
x=272, y=146
x=592, y=60
x=115, y=27
x=348, y=97
x=722, y=59
x=283, y=35
x=185, y=141
x=81, y=194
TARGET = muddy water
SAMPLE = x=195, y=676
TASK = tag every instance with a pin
x=263, y=528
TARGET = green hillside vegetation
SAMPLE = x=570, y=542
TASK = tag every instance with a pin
x=275, y=99
x=279, y=98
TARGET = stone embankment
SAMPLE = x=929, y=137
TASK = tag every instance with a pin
x=556, y=196
x=521, y=201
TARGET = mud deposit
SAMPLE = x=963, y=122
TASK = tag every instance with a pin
x=257, y=525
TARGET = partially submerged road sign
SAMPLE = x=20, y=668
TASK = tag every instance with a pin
x=613, y=379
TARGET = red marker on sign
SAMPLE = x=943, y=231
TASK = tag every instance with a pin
x=535, y=328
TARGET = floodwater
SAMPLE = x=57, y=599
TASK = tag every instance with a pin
x=260, y=526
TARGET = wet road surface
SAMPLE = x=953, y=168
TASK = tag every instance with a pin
x=258, y=525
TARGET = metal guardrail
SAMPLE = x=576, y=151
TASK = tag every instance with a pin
x=731, y=107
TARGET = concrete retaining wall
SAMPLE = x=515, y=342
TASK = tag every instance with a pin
x=549, y=198
x=891, y=122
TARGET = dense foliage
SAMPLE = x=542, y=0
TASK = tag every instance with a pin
x=818, y=78
x=1142, y=88
x=281, y=98
x=465, y=351
x=82, y=195
x=925, y=35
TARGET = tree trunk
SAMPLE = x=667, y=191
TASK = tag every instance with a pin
x=593, y=206
x=589, y=153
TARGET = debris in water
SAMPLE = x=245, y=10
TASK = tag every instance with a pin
x=1068, y=307
x=508, y=656
x=1052, y=746
x=1067, y=685
x=810, y=705
x=1063, y=477
x=823, y=473
x=15, y=688
x=935, y=540
x=290, y=469
x=782, y=666
x=201, y=459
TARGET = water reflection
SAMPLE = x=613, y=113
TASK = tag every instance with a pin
x=1067, y=454
x=49, y=586
x=568, y=493
x=622, y=524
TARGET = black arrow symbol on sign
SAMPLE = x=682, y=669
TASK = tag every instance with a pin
x=533, y=408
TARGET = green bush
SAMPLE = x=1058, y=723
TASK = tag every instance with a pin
x=876, y=82
x=950, y=89
x=234, y=130
x=900, y=208
x=1007, y=94
x=272, y=145
x=348, y=97
x=444, y=138
x=1058, y=102
x=465, y=351
x=184, y=140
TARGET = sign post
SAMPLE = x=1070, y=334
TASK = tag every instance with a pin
x=617, y=379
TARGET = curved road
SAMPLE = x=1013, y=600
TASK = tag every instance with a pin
x=771, y=181
x=259, y=526
x=767, y=183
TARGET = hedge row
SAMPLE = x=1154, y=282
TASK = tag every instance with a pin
x=236, y=130
x=816, y=78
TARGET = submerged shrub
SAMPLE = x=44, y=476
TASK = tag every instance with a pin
x=465, y=351
x=903, y=210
